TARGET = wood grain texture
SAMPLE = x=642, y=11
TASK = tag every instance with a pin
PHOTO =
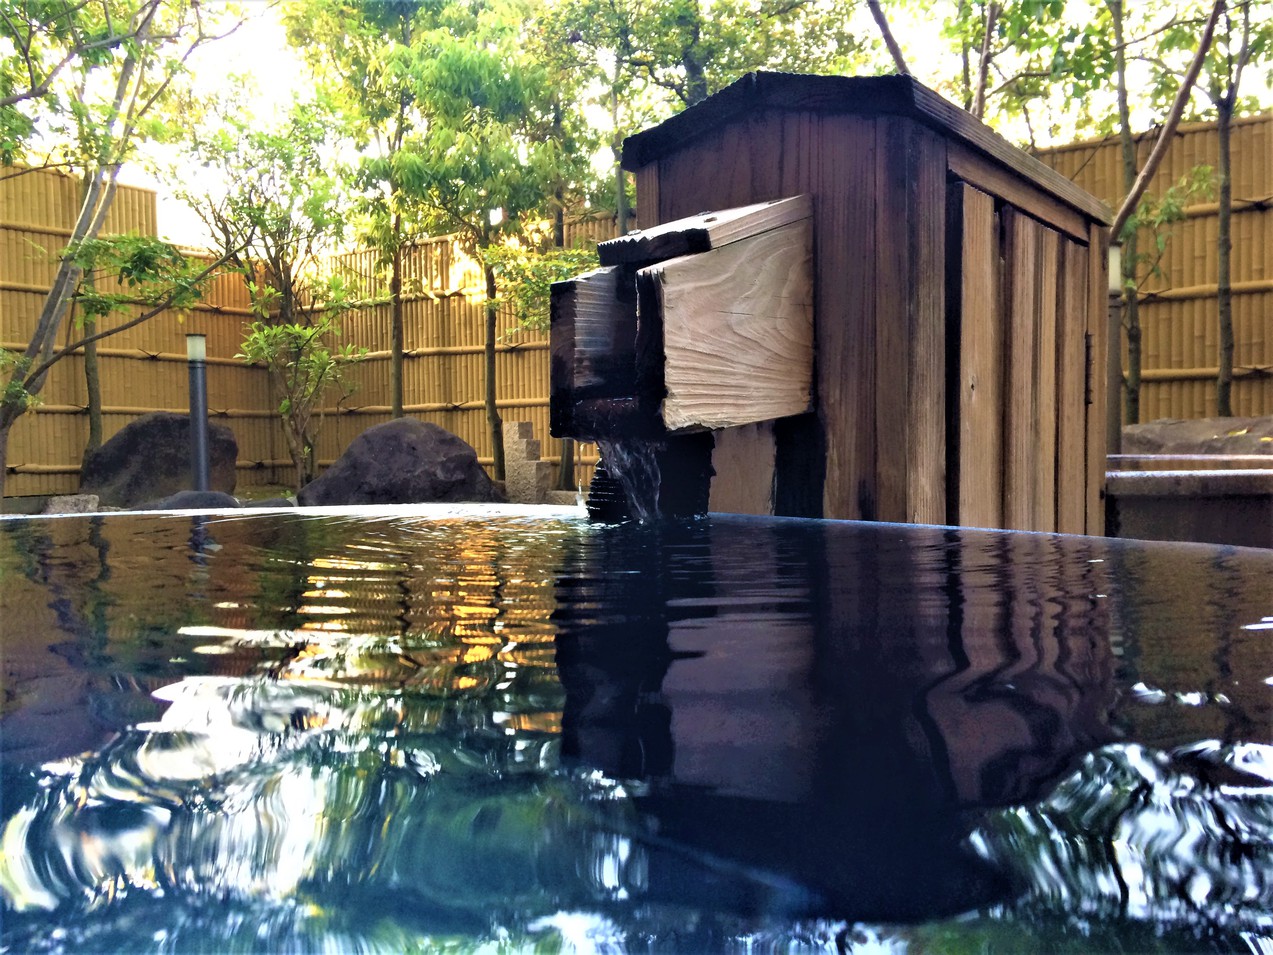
x=647, y=195
x=842, y=164
x=910, y=357
x=701, y=233
x=1019, y=192
x=876, y=96
x=1021, y=421
x=981, y=366
x=1071, y=386
x=893, y=325
x=738, y=330
x=744, y=460
x=1098, y=338
x=1045, y=323
x=926, y=415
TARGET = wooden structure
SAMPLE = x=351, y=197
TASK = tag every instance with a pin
x=959, y=298
x=705, y=322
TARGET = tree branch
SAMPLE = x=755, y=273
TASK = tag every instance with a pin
x=890, y=41
x=1169, y=128
x=164, y=304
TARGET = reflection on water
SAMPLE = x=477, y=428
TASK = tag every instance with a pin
x=386, y=733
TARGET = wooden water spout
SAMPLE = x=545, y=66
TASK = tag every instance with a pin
x=699, y=324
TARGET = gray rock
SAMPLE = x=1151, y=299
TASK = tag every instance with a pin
x=191, y=501
x=72, y=504
x=149, y=459
x=1200, y=436
x=405, y=461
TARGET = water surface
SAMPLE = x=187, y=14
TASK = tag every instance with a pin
x=440, y=728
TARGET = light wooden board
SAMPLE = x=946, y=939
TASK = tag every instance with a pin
x=701, y=233
x=738, y=330
x=744, y=460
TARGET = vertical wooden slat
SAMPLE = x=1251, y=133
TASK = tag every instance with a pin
x=926, y=417
x=981, y=367
x=1045, y=325
x=845, y=208
x=1020, y=391
x=1071, y=388
x=1097, y=324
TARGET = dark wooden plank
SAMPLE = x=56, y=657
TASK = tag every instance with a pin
x=701, y=233
x=981, y=366
x=926, y=415
x=738, y=330
x=1098, y=337
x=744, y=460
x=977, y=170
x=1020, y=388
x=1071, y=451
x=845, y=213
x=647, y=196
x=895, y=184
x=875, y=96
x=1045, y=324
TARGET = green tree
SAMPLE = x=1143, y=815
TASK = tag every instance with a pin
x=484, y=164
x=85, y=84
x=366, y=55
x=275, y=222
x=644, y=59
x=1244, y=37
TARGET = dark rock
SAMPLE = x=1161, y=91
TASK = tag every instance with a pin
x=191, y=501
x=1200, y=436
x=405, y=461
x=150, y=459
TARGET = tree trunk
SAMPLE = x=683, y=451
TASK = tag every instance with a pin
x=492, y=410
x=396, y=322
x=93, y=387
x=4, y=459
x=566, y=465
x=1131, y=307
x=1224, y=248
x=621, y=213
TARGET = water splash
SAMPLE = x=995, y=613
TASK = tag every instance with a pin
x=633, y=462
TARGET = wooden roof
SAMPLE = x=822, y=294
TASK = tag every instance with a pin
x=857, y=95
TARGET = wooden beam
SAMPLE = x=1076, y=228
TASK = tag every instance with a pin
x=1015, y=190
x=737, y=327
x=701, y=233
x=592, y=342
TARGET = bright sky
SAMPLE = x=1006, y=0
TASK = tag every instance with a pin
x=259, y=50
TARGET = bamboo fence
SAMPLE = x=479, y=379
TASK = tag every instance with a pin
x=1178, y=308
x=144, y=368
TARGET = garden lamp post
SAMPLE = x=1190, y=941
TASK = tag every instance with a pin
x=196, y=358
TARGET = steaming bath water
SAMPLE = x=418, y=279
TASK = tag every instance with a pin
x=438, y=728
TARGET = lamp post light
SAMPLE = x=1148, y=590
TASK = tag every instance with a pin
x=196, y=358
x=1114, y=354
